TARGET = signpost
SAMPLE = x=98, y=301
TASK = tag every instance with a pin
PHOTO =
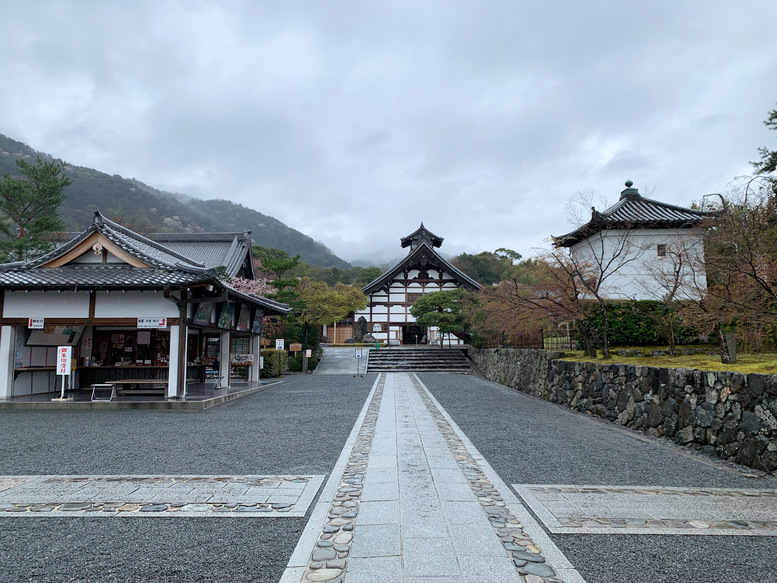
x=358, y=358
x=279, y=349
x=64, y=356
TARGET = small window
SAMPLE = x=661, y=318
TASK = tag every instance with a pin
x=661, y=250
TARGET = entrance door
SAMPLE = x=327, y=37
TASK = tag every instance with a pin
x=413, y=334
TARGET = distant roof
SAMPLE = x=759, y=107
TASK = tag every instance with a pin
x=419, y=235
x=633, y=211
x=183, y=260
x=423, y=254
x=210, y=249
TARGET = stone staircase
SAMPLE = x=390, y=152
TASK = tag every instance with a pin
x=418, y=360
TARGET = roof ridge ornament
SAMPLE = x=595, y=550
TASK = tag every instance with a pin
x=629, y=192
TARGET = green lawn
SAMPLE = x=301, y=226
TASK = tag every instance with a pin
x=765, y=363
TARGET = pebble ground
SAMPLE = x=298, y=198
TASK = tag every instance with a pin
x=530, y=441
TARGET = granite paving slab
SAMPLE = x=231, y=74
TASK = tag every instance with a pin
x=412, y=501
x=569, y=509
x=182, y=496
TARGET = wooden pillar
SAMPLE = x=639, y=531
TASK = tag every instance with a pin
x=256, y=351
x=183, y=344
x=173, y=363
x=7, y=346
x=225, y=358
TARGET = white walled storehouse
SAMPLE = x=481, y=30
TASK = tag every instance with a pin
x=133, y=308
x=642, y=245
x=392, y=294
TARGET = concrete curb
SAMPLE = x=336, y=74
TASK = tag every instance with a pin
x=171, y=405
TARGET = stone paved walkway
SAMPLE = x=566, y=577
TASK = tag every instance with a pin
x=342, y=360
x=411, y=500
x=633, y=510
x=234, y=496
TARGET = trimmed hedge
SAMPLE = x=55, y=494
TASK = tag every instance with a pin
x=638, y=323
x=295, y=362
x=270, y=368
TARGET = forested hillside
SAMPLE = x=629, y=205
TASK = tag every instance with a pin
x=146, y=209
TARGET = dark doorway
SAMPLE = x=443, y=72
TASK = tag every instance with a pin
x=413, y=334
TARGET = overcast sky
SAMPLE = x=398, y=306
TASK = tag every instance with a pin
x=353, y=121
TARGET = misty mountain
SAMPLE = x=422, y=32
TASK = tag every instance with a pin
x=147, y=210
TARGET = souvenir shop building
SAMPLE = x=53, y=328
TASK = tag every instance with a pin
x=137, y=311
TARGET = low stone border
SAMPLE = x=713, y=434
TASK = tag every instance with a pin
x=158, y=405
x=328, y=561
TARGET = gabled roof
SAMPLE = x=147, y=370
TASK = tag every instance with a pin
x=633, y=211
x=148, y=252
x=147, y=264
x=211, y=249
x=423, y=255
x=418, y=236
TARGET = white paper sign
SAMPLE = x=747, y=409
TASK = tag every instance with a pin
x=308, y=354
x=152, y=322
x=35, y=323
x=64, y=354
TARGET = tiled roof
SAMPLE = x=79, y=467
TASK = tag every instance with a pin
x=264, y=302
x=424, y=253
x=182, y=260
x=634, y=211
x=419, y=235
x=148, y=251
x=96, y=277
x=210, y=249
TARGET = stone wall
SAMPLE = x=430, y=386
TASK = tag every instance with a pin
x=731, y=414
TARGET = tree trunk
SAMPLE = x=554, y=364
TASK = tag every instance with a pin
x=670, y=333
x=605, y=347
x=725, y=357
x=586, y=339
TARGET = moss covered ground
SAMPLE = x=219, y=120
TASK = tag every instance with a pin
x=764, y=363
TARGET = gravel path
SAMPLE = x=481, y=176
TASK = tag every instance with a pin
x=296, y=427
x=529, y=441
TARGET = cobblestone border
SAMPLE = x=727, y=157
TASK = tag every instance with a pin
x=115, y=507
x=527, y=557
x=587, y=523
x=664, y=491
x=328, y=561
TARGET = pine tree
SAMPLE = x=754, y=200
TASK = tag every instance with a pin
x=29, y=208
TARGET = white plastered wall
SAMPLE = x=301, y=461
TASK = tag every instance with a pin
x=66, y=304
x=134, y=304
x=636, y=271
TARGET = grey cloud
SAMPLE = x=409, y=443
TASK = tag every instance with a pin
x=478, y=118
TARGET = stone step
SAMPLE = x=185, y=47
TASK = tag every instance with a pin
x=418, y=360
